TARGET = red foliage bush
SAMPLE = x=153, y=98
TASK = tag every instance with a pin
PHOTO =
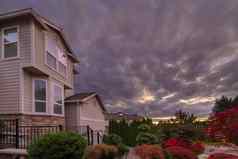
x=177, y=142
x=224, y=125
x=149, y=152
x=180, y=152
x=222, y=156
x=198, y=148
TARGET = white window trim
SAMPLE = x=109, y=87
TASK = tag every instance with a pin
x=3, y=43
x=53, y=95
x=34, y=100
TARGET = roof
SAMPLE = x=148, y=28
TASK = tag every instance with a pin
x=44, y=23
x=79, y=96
x=83, y=97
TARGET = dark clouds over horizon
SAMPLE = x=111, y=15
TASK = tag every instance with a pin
x=150, y=55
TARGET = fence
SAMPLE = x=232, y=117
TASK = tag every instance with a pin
x=12, y=134
x=92, y=136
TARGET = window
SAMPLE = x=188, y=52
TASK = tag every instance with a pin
x=51, y=52
x=58, y=99
x=51, y=60
x=62, y=62
x=55, y=56
x=62, y=69
x=40, y=96
x=10, y=42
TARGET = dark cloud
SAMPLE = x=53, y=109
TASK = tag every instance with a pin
x=153, y=56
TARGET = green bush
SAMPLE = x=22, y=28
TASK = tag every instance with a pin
x=112, y=139
x=146, y=138
x=122, y=149
x=144, y=128
x=58, y=146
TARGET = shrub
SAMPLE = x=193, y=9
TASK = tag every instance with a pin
x=224, y=125
x=122, y=149
x=58, y=146
x=198, y=148
x=146, y=138
x=101, y=151
x=149, y=152
x=222, y=156
x=116, y=140
x=177, y=142
x=112, y=139
x=144, y=128
x=180, y=152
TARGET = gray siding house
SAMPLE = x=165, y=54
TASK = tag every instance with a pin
x=36, y=69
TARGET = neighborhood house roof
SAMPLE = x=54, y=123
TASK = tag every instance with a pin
x=45, y=24
x=79, y=96
x=83, y=97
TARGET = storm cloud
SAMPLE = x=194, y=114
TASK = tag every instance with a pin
x=153, y=56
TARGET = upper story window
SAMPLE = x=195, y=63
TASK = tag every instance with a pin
x=40, y=87
x=62, y=62
x=58, y=99
x=10, y=42
x=55, y=56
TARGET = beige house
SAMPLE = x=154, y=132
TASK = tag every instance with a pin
x=36, y=69
x=85, y=109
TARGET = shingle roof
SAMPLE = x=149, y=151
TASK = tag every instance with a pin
x=79, y=96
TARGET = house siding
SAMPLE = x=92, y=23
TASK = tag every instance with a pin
x=71, y=111
x=28, y=95
x=40, y=58
x=38, y=61
x=10, y=69
x=92, y=114
x=9, y=86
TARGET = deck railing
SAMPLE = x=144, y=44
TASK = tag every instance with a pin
x=92, y=136
x=12, y=134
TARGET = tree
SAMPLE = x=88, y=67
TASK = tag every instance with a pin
x=184, y=117
x=224, y=103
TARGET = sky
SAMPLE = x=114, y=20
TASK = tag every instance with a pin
x=149, y=56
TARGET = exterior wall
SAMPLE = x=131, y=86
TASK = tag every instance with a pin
x=16, y=92
x=71, y=115
x=42, y=120
x=39, y=120
x=10, y=69
x=39, y=57
x=91, y=114
x=29, y=94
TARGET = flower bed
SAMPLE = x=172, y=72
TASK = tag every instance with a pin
x=196, y=148
x=179, y=152
x=222, y=156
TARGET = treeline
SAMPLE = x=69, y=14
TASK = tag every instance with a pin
x=184, y=125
